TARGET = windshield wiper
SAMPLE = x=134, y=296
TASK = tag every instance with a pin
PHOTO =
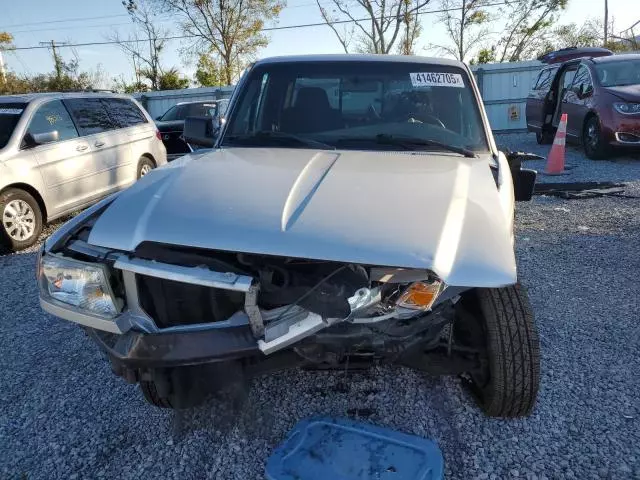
x=413, y=143
x=408, y=143
x=280, y=137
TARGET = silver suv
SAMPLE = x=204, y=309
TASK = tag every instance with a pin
x=62, y=152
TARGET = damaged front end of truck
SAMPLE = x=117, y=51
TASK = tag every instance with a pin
x=234, y=315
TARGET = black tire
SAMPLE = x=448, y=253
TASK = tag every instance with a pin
x=172, y=388
x=145, y=164
x=8, y=235
x=544, y=138
x=152, y=396
x=594, y=145
x=509, y=385
x=187, y=387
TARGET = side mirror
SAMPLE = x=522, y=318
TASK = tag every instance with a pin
x=524, y=179
x=585, y=90
x=35, y=139
x=199, y=131
x=523, y=184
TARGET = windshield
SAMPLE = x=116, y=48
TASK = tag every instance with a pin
x=349, y=105
x=10, y=114
x=617, y=74
x=180, y=112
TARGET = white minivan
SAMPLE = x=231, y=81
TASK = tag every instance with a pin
x=60, y=152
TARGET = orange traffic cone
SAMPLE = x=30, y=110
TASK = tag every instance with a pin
x=555, y=162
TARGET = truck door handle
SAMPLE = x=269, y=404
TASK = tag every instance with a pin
x=99, y=144
x=81, y=148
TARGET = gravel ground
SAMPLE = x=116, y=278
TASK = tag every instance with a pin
x=621, y=167
x=64, y=415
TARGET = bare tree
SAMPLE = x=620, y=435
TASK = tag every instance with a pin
x=465, y=22
x=145, y=45
x=229, y=29
x=377, y=24
x=411, y=30
x=529, y=25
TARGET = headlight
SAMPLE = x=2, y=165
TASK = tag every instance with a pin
x=420, y=295
x=627, y=108
x=79, y=284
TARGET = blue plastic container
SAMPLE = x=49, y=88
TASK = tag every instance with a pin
x=339, y=449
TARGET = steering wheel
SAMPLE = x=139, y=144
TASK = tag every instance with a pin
x=425, y=118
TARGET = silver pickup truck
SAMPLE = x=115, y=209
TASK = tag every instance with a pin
x=353, y=211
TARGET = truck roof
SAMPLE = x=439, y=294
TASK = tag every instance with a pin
x=362, y=58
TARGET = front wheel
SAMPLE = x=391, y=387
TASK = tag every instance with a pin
x=186, y=387
x=594, y=144
x=145, y=165
x=505, y=327
x=20, y=219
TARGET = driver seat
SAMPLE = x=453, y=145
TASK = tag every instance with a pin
x=312, y=112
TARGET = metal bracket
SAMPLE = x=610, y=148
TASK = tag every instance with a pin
x=253, y=312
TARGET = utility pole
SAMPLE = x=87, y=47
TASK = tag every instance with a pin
x=606, y=22
x=56, y=58
x=3, y=74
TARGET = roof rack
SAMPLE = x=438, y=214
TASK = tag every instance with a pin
x=99, y=90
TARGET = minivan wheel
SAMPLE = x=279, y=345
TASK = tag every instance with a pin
x=504, y=324
x=20, y=219
x=145, y=165
x=595, y=147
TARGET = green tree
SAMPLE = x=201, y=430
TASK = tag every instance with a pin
x=170, y=80
x=230, y=29
x=6, y=40
x=588, y=34
x=14, y=84
x=485, y=55
x=528, y=29
x=466, y=23
x=208, y=72
x=122, y=86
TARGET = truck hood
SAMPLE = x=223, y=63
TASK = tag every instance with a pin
x=436, y=211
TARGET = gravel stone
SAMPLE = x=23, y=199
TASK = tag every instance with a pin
x=63, y=413
x=621, y=167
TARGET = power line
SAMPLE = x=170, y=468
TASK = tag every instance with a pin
x=63, y=21
x=267, y=29
x=69, y=27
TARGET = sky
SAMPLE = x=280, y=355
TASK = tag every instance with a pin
x=81, y=21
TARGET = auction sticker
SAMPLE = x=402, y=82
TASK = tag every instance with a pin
x=11, y=111
x=433, y=79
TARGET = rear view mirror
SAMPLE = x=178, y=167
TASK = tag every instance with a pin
x=35, y=139
x=199, y=131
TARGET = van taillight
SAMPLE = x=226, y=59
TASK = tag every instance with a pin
x=158, y=136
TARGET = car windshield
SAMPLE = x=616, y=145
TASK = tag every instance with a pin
x=10, y=114
x=618, y=74
x=355, y=105
x=180, y=112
